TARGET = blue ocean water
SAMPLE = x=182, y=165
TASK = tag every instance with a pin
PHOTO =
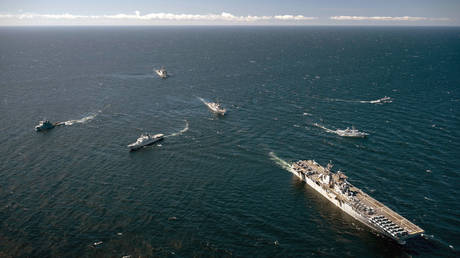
x=216, y=185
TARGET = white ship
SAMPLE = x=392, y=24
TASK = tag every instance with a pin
x=351, y=133
x=353, y=201
x=216, y=108
x=162, y=73
x=382, y=100
x=145, y=140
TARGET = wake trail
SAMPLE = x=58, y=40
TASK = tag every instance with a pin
x=279, y=161
x=181, y=131
x=342, y=100
x=325, y=129
x=438, y=241
x=376, y=101
x=81, y=120
x=202, y=100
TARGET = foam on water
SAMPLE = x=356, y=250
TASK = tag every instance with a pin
x=325, y=129
x=376, y=101
x=181, y=131
x=202, y=100
x=82, y=120
x=279, y=161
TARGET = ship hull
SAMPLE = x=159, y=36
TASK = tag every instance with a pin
x=160, y=74
x=342, y=205
x=137, y=147
x=354, y=136
x=41, y=129
x=216, y=111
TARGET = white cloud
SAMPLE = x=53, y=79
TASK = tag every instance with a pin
x=189, y=17
x=65, y=16
x=172, y=18
x=228, y=17
x=440, y=19
x=7, y=16
x=294, y=18
x=385, y=18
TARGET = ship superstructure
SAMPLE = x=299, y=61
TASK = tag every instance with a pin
x=45, y=125
x=162, y=73
x=353, y=133
x=145, y=140
x=353, y=201
x=216, y=108
x=382, y=100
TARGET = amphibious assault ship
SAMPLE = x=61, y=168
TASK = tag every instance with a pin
x=353, y=201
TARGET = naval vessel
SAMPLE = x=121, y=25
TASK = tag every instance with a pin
x=145, y=140
x=47, y=125
x=216, y=108
x=162, y=73
x=352, y=133
x=372, y=213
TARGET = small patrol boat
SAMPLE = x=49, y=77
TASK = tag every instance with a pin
x=162, y=73
x=382, y=100
x=353, y=133
x=216, y=108
x=44, y=125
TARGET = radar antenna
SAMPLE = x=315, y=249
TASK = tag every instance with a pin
x=329, y=166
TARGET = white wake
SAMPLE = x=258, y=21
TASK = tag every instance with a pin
x=81, y=120
x=376, y=101
x=325, y=129
x=202, y=100
x=181, y=131
x=279, y=161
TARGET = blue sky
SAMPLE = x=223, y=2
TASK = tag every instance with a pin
x=238, y=12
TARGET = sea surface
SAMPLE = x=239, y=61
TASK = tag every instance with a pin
x=217, y=186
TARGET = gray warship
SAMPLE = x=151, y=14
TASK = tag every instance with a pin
x=353, y=201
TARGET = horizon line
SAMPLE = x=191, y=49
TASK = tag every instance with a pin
x=229, y=25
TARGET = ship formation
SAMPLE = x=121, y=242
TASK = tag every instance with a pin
x=333, y=186
x=353, y=201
